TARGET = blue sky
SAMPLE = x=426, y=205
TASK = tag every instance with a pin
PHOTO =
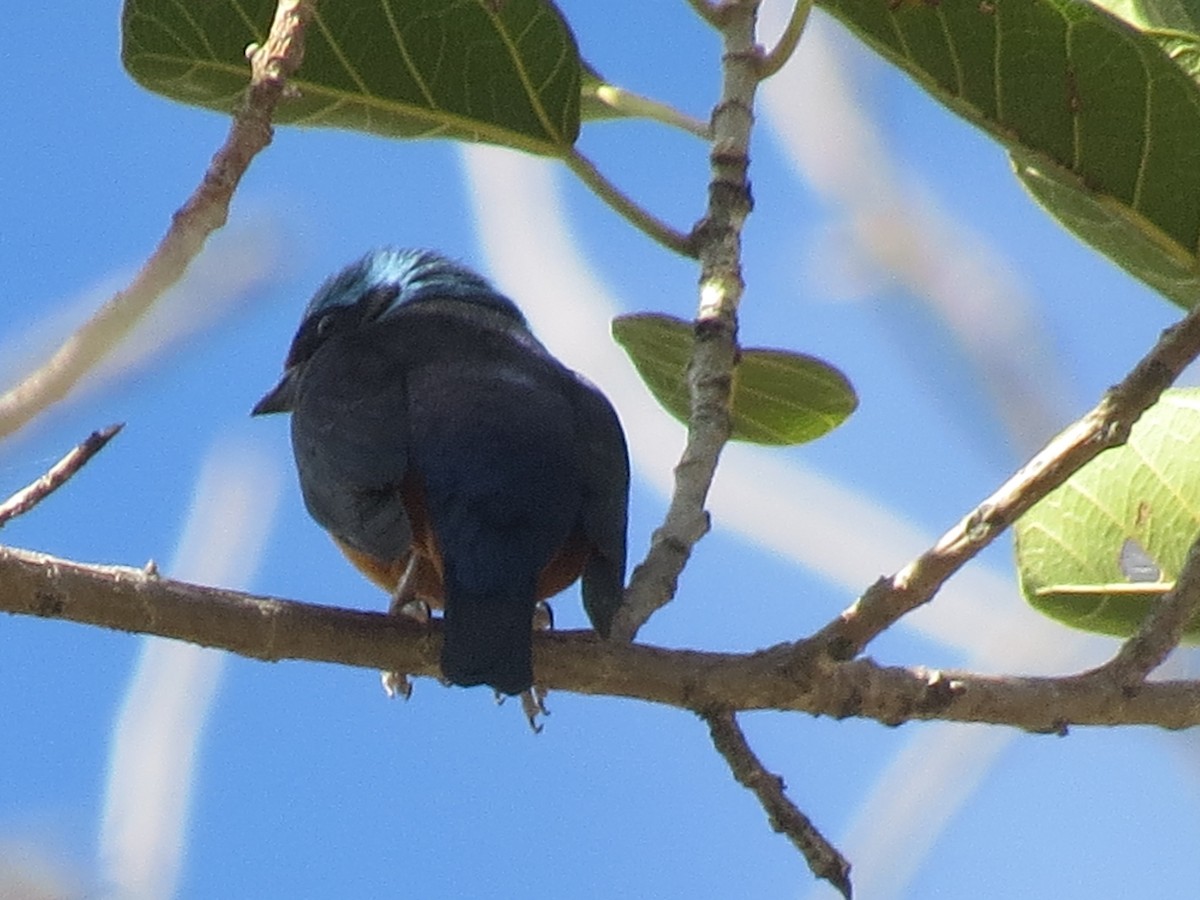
x=307, y=781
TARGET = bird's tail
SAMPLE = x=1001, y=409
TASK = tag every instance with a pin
x=488, y=639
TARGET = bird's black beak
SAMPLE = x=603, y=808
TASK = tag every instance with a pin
x=280, y=398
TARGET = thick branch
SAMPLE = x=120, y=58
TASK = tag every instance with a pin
x=1107, y=425
x=718, y=244
x=270, y=629
x=205, y=211
x=785, y=817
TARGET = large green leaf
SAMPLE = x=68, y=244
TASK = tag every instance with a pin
x=1103, y=125
x=778, y=397
x=1098, y=551
x=477, y=70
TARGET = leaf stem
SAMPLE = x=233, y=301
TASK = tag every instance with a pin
x=621, y=203
x=629, y=103
x=776, y=58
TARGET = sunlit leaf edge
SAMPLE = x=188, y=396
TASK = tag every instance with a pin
x=375, y=115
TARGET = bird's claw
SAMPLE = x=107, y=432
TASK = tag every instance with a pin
x=396, y=684
x=416, y=610
x=543, y=616
x=533, y=703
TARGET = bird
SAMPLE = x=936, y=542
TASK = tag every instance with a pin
x=453, y=459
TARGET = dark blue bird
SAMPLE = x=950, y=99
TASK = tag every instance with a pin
x=435, y=436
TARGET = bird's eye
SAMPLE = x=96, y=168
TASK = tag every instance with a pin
x=324, y=324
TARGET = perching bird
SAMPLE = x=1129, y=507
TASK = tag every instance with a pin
x=430, y=426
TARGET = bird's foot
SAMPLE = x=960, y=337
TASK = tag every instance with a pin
x=543, y=616
x=416, y=610
x=396, y=684
x=533, y=704
x=405, y=593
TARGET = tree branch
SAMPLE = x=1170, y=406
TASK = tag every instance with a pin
x=717, y=239
x=1107, y=425
x=708, y=10
x=1161, y=630
x=785, y=817
x=204, y=212
x=265, y=628
x=58, y=475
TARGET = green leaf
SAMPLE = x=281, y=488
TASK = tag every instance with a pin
x=1136, y=245
x=474, y=70
x=1173, y=24
x=778, y=397
x=1098, y=551
x=1101, y=122
x=1162, y=18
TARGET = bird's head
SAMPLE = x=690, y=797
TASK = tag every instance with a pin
x=375, y=288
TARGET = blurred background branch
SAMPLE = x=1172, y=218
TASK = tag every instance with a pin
x=192, y=224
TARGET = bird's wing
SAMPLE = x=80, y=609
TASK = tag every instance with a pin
x=604, y=468
x=351, y=439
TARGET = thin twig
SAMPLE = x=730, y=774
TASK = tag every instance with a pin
x=785, y=817
x=776, y=58
x=139, y=601
x=586, y=171
x=28, y=497
x=1107, y=425
x=717, y=239
x=205, y=211
x=1161, y=630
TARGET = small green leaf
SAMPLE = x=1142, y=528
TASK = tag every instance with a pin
x=475, y=70
x=1098, y=551
x=779, y=397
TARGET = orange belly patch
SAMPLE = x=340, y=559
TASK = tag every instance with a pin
x=562, y=570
